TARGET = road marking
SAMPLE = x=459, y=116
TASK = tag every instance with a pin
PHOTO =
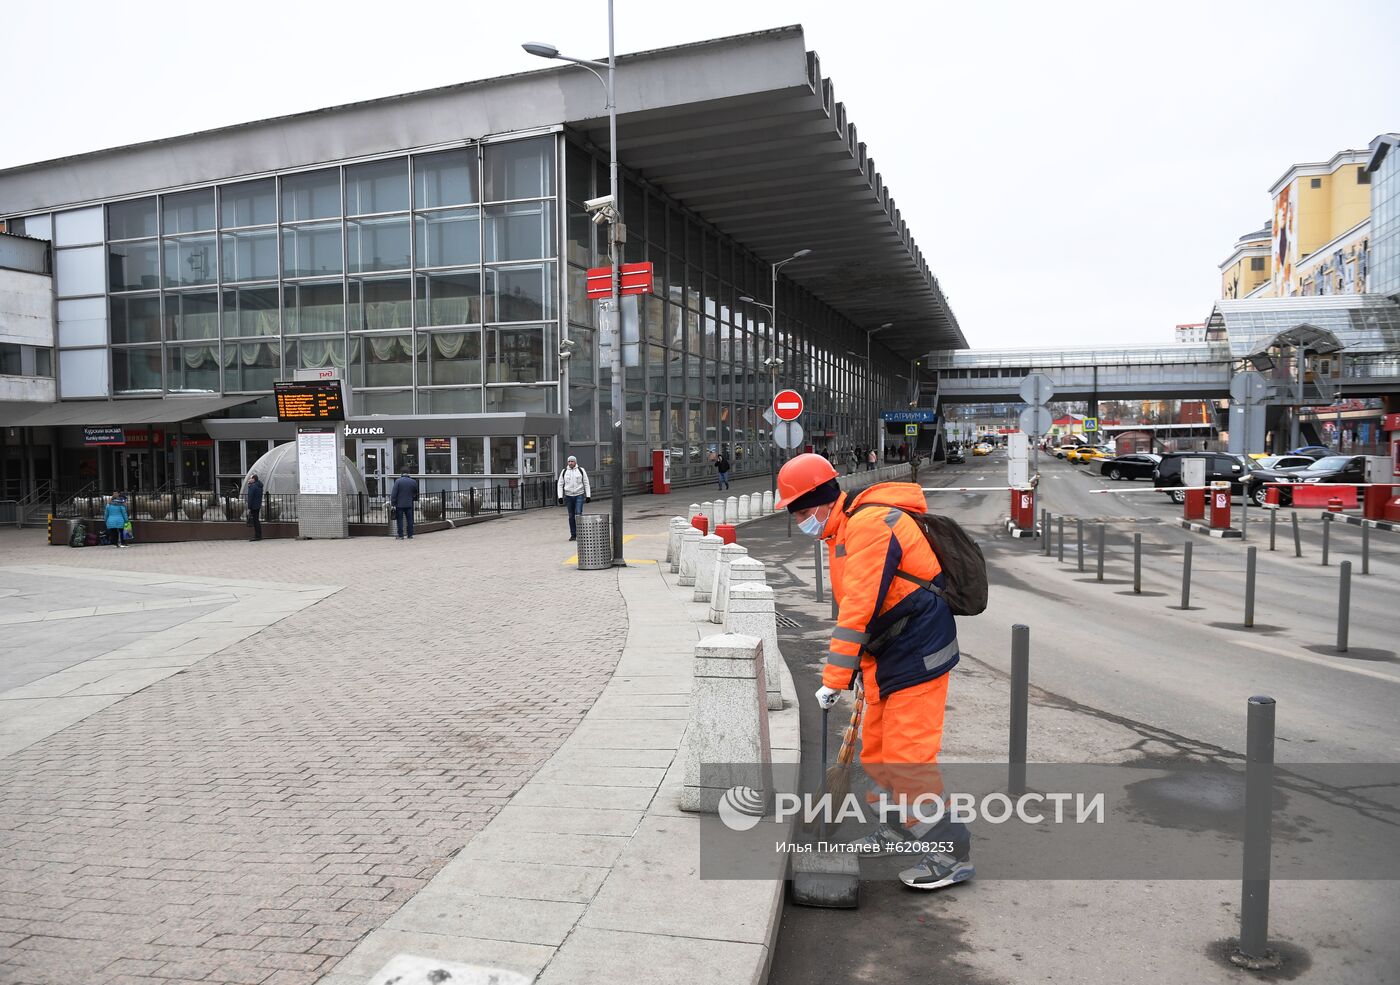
x=1321, y=661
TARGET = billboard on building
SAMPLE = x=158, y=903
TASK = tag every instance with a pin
x=1285, y=242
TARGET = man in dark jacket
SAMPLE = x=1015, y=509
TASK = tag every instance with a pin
x=402, y=497
x=254, y=496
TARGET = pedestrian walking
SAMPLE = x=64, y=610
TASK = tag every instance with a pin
x=870, y=460
x=403, y=495
x=888, y=584
x=856, y=459
x=254, y=496
x=904, y=451
x=116, y=516
x=574, y=491
x=722, y=467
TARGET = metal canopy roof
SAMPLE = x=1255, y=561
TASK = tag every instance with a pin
x=148, y=410
x=742, y=130
x=780, y=168
x=1358, y=323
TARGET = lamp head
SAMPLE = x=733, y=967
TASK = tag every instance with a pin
x=800, y=254
x=745, y=299
x=540, y=49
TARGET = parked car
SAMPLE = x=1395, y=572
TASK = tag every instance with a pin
x=955, y=456
x=1333, y=468
x=1093, y=453
x=1219, y=468
x=1137, y=466
x=1063, y=450
x=1283, y=461
x=1312, y=451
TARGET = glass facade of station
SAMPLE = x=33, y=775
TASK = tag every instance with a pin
x=441, y=283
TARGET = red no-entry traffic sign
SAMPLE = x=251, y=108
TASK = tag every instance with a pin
x=787, y=405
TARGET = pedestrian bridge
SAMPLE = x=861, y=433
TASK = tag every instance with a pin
x=1348, y=342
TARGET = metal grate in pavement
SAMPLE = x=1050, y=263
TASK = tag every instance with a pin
x=787, y=622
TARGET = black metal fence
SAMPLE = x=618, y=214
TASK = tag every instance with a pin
x=206, y=506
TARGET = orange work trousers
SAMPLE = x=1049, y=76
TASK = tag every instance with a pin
x=900, y=738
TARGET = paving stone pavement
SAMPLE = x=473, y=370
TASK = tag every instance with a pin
x=250, y=818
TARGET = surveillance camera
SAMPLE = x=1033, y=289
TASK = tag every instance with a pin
x=597, y=204
x=565, y=353
x=600, y=217
x=567, y=343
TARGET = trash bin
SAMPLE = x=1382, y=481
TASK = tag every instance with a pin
x=594, y=541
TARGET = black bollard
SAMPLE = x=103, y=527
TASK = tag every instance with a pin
x=1137, y=564
x=1099, y=575
x=1079, y=540
x=1186, y=577
x=1062, y=540
x=1020, y=689
x=1297, y=538
x=1365, y=548
x=1045, y=532
x=1273, y=527
x=1344, y=607
x=1250, y=559
x=1258, y=835
x=1326, y=536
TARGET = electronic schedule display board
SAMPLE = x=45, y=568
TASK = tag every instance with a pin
x=309, y=401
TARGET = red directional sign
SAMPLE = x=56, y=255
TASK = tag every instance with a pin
x=636, y=279
x=787, y=405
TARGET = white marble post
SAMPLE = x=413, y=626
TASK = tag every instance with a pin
x=673, y=541
x=751, y=611
x=720, y=514
x=708, y=509
x=731, y=509
x=726, y=743
x=692, y=511
x=768, y=502
x=745, y=510
x=727, y=554
x=706, y=551
x=690, y=554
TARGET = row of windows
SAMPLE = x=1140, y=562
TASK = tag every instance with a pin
x=25, y=360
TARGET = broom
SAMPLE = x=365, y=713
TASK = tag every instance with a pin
x=838, y=775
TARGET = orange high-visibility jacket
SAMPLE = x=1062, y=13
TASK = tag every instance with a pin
x=896, y=633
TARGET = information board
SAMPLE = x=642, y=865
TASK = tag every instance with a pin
x=309, y=400
x=317, y=461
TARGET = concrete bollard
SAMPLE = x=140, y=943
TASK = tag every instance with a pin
x=691, y=511
x=689, y=555
x=752, y=612
x=727, y=555
x=673, y=540
x=726, y=743
x=768, y=502
x=731, y=510
x=705, y=553
x=721, y=514
x=745, y=508
x=708, y=508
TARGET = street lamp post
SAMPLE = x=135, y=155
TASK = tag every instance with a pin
x=772, y=362
x=614, y=216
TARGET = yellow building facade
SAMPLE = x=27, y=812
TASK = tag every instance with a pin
x=1317, y=240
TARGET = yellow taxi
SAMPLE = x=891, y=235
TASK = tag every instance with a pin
x=981, y=448
x=1092, y=453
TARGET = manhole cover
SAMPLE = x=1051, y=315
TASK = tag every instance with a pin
x=786, y=622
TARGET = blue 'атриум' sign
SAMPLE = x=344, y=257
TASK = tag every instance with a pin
x=908, y=416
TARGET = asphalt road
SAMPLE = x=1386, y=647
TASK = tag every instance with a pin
x=1118, y=676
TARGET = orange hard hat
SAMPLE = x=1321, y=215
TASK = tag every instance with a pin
x=800, y=476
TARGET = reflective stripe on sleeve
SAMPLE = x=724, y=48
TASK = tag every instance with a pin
x=846, y=661
x=849, y=635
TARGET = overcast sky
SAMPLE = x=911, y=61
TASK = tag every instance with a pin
x=1074, y=172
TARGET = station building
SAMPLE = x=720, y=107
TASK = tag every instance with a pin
x=432, y=249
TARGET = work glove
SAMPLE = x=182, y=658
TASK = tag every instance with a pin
x=588, y=499
x=559, y=501
x=827, y=696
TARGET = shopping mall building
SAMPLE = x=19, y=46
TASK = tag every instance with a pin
x=432, y=247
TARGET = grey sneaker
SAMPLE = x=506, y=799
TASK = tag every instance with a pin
x=937, y=871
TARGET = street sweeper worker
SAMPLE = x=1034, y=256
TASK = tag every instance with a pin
x=897, y=637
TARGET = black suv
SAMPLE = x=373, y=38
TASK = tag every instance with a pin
x=1343, y=469
x=1219, y=468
